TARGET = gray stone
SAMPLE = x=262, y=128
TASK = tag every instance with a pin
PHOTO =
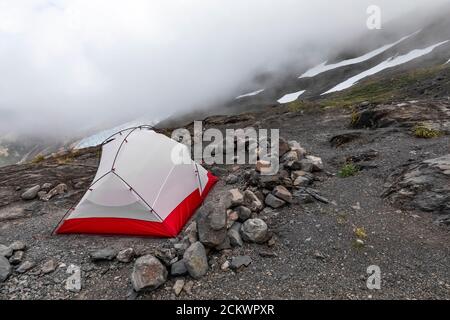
x=148, y=274
x=25, y=266
x=235, y=236
x=5, y=269
x=255, y=230
x=240, y=261
x=206, y=234
x=196, y=261
x=17, y=257
x=274, y=202
x=125, y=255
x=5, y=251
x=282, y=193
x=18, y=245
x=49, y=266
x=252, y=202
x=31, y=193
x=178, y=269
x=244, y=213
x=103, y=254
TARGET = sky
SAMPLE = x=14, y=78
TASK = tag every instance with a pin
x=67, y=66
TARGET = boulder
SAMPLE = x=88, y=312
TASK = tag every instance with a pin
x=125, y=255
x=424, y=186
x=103, y=254
x=196, y=261
x=282, y=193
x=148, y=274
x=255, y=230
x=274, y=202
x=31, y=193
x=208, y=235
x=252, y=202
x=5, y=268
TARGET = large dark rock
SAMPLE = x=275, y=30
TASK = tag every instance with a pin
x=424, y=186
x=209, y=232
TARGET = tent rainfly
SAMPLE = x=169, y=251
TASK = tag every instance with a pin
x=138, y=189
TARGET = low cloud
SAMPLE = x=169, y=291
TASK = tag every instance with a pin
x=72, y=65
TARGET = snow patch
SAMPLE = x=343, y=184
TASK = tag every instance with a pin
x=100, y=137
x=251, y=94
x=323, y=67
x=390, y=63
x=291, y=97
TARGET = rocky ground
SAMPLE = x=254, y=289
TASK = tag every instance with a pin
x=379, y=196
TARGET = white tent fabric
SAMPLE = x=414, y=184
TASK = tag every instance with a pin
x=138, y=180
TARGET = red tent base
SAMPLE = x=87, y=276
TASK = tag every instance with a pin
x=169, y=228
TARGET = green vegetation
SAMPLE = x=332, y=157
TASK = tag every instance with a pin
x=380, y=90
x=299, y=105
x=356, y=116
x=38, y=159
x=421, y=131
x=348, y=170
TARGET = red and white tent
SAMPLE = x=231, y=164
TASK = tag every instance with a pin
x=139, y=189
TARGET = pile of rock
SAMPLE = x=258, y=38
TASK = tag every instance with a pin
x=13, y=255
